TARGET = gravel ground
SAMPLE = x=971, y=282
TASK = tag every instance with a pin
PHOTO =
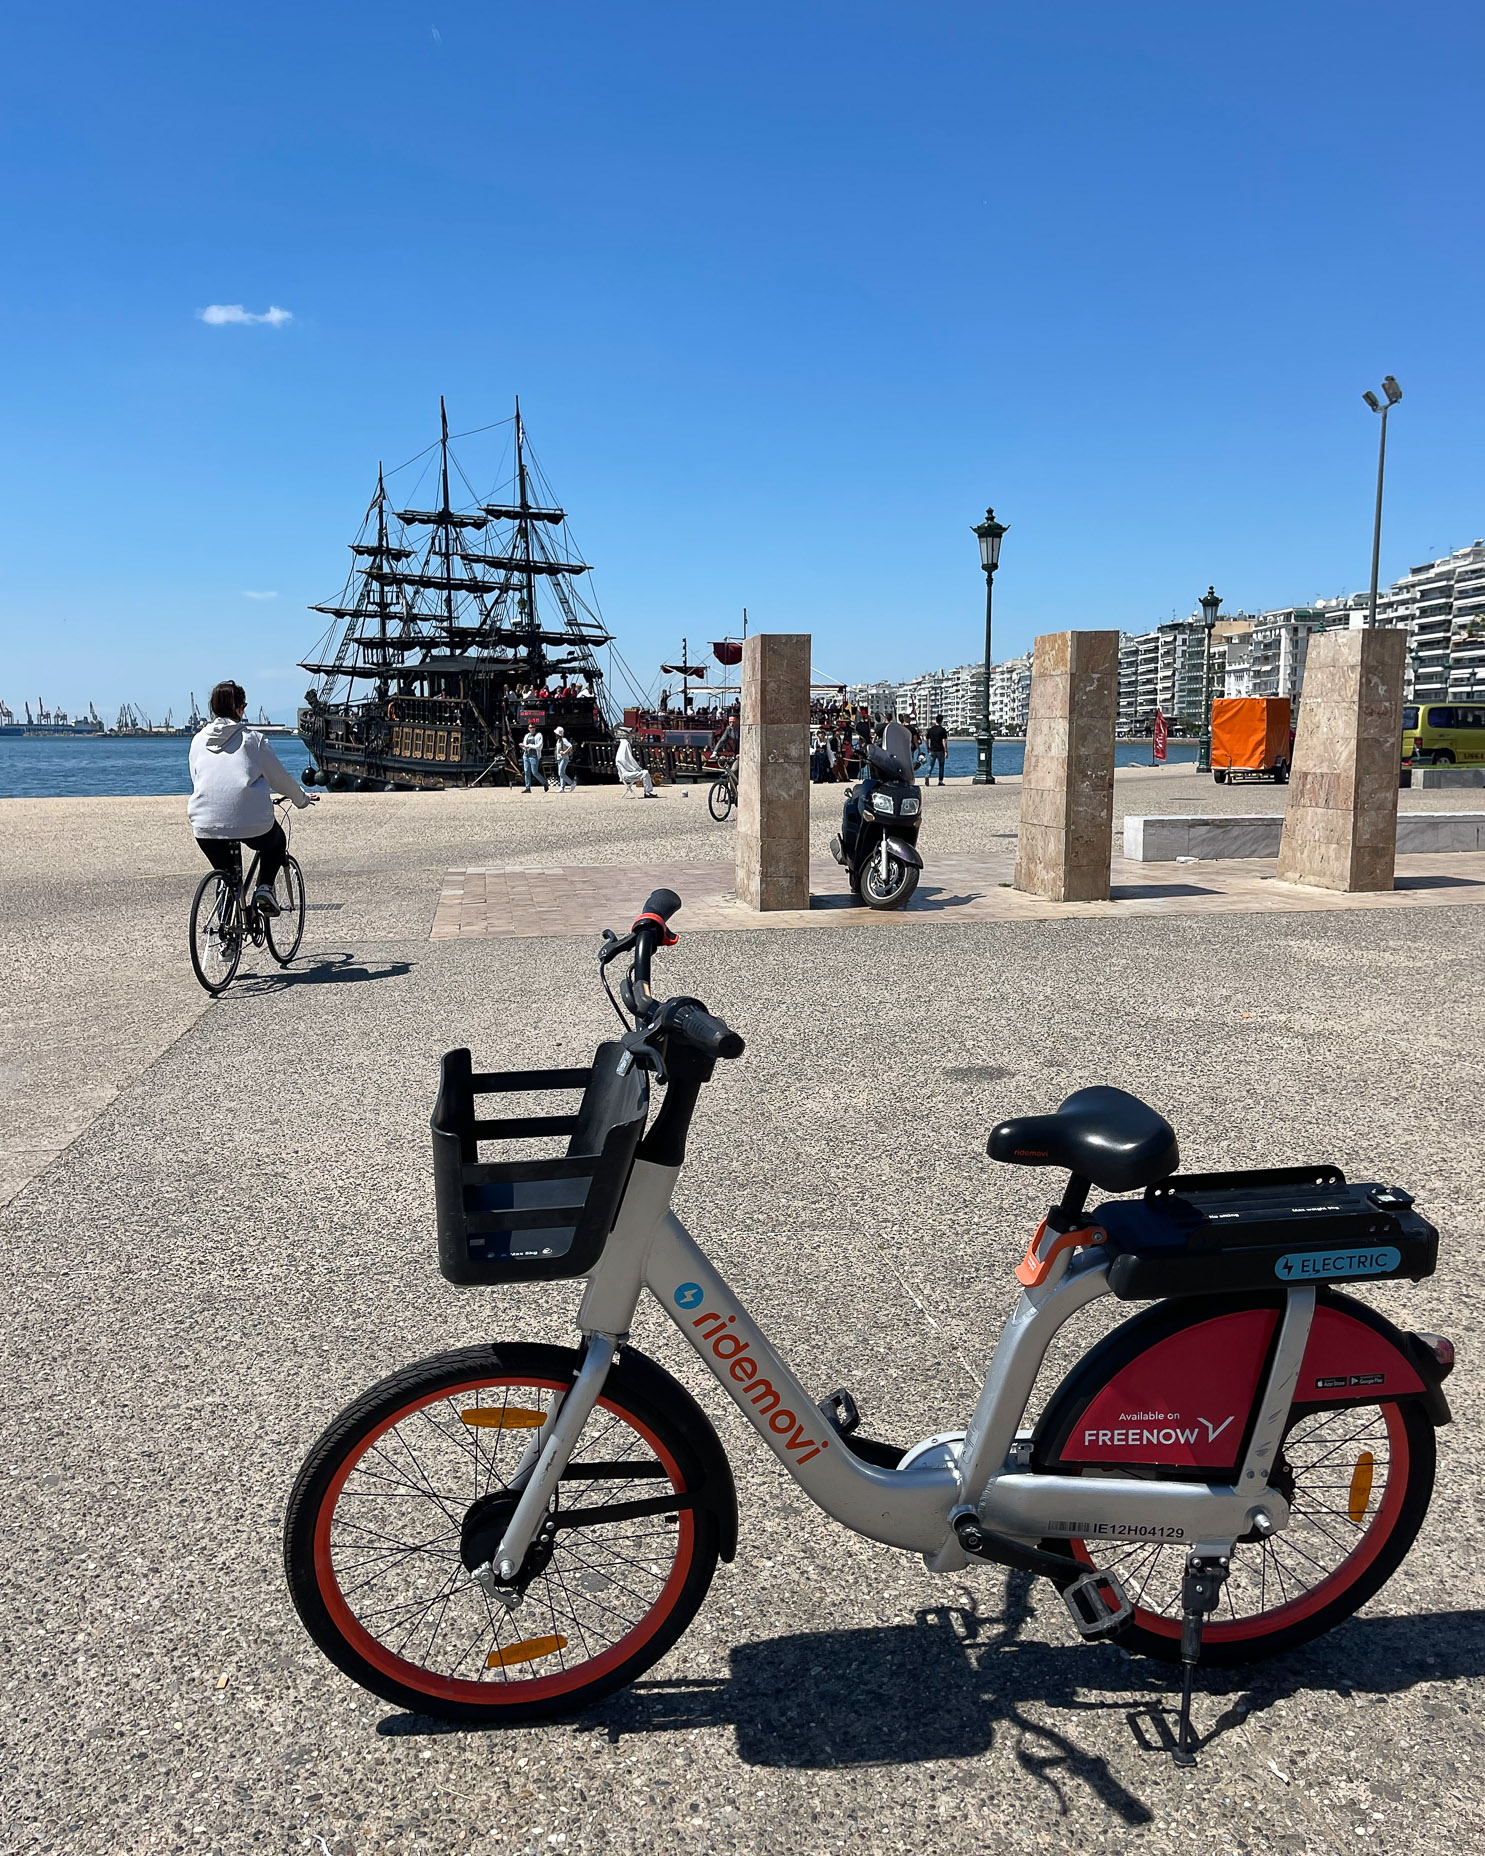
x=242, y=1240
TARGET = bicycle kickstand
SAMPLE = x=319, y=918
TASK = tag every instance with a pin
x=1207, y=1567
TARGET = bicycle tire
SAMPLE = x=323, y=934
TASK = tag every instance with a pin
x=288, y=891
x=216, y=932
x=1303, y=1580
x=626, y=1601
x=720, y=800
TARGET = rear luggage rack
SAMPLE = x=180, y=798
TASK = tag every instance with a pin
x=533, y=1220
x=1262, y=1229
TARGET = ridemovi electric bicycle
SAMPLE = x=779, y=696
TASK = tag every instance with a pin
x=509, y=1532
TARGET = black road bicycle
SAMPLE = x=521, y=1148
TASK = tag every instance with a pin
x=723, y=795
x=223, y=917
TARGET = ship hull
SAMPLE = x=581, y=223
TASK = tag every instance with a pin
x=430, y=743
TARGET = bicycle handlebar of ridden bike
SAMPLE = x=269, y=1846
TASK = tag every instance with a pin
x=686, y=1018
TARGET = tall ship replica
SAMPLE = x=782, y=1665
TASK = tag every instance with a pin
x=457, y=630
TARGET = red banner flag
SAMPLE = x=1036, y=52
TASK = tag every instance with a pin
x=1158, y=739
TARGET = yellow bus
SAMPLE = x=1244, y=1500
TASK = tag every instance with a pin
x=1444, y=734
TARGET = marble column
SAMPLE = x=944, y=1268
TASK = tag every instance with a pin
x=1340, y=828
x=773, y=775
x=1067, y=787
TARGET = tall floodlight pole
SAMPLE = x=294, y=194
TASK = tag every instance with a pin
x=1393, y=394
x=1211, y=601
x=989, y=533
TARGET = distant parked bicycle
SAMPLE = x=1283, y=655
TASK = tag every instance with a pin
x=221, y=920
x=723, y=795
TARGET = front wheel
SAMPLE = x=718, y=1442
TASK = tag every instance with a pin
x=286, y=930
x=410, y=1490
x=1358, y=1482
x=719, y=800
x=216, y=932
x=890, y=891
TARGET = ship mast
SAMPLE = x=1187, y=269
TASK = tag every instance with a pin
x=448, y=527
x=523, y=503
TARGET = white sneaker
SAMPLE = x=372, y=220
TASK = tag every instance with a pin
x=263, y=899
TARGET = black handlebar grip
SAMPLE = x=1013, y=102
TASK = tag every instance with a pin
x=712, y=1035
x=661, y=902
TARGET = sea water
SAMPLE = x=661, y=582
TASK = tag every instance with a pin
x=94, y=766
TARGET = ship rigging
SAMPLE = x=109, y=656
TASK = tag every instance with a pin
x=445, y=653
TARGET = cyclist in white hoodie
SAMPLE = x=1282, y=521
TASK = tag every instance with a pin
x=234, y=774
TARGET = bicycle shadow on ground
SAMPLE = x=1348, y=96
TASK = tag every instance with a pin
x=323, y=970
x=956, y=1681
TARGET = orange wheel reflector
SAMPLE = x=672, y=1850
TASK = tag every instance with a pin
x=528, y=1651
x=511, y=1418
x=1361, y=1487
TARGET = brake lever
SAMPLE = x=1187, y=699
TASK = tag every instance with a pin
x=638, y=1050
x=612, y=945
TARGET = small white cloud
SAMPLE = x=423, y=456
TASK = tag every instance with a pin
x=218, y=313
x=437, y=35
x=247, y=594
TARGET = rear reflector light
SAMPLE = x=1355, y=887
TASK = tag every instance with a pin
x=1441, y=1349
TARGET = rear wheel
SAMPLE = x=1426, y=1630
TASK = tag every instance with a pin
x=890, y=891
x=719, y=800
x=1358, y=1483
x=410, y=1490
x=216, y=932
x=1443, y=758
x=286, y=930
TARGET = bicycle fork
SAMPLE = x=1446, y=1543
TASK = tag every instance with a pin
x=545, y=1462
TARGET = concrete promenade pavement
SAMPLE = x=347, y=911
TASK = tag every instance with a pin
x=239, y=1239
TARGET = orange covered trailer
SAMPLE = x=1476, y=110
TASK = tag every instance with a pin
x=1251, y=738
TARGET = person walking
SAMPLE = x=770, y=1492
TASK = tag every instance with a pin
x=234, y=775
x=630, y=768
x=562, y=748
x=938, y=749
x=532, y=743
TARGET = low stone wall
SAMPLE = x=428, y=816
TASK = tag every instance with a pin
x=1426, y=777
x=1155, y=840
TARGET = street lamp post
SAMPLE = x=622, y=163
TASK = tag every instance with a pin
x=1210, y=602
x=989, y=533
x=1393, y=394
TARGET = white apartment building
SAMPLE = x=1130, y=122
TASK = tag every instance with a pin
x=1442, y=604
x=1139, y=681
x=1010, y=695
x=1269, y=659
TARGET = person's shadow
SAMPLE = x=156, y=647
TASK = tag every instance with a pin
x=323, y=970
x=946, y=1685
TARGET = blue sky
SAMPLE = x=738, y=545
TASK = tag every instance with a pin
x=789, y=293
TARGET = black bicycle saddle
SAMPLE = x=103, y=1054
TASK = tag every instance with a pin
x=1105, y=1135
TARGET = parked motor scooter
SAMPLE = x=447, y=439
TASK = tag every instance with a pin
x=877, y=842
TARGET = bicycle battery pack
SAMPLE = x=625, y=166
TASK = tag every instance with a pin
x=533, y=1220
x=1279, y=1227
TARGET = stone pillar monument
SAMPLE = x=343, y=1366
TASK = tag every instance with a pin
x=773, y=774
x=1067, y=788
x=1340, y=828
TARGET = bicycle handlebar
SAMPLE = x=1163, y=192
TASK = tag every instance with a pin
x=686, y=1019
x=713, y=1037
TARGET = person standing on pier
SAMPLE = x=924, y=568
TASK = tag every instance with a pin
x=532, y=743
x=562, y=748
x=938, y=749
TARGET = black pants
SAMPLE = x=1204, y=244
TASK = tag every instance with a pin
x=272, y=847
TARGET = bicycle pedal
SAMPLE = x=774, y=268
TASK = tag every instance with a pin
x=1097, y=1603
x=838, y=1408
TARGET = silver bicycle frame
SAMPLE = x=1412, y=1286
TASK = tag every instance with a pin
x=913, y=1507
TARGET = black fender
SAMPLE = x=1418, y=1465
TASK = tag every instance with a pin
x=905, y=853
x=717, y=1493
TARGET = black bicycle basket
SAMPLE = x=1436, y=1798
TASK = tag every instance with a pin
x=533, y=1220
